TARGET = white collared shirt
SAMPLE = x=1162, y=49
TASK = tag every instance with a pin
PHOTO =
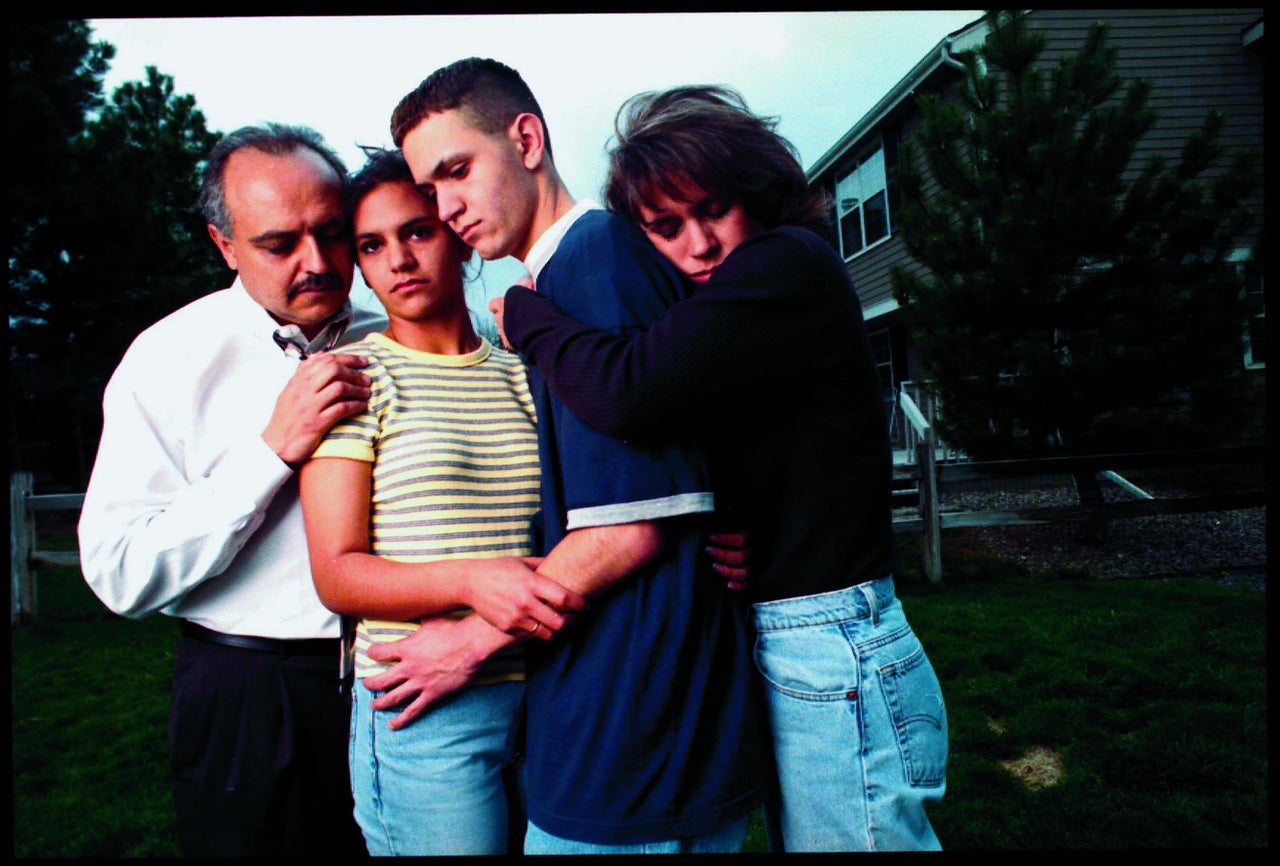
x=188, y=511
x=545, y=246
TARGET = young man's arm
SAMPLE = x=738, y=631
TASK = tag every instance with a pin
x=444, y=654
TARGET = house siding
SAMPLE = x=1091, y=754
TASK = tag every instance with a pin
x=1195, y=61
x=870, y=269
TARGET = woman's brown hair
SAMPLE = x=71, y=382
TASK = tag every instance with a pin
x=707, y=135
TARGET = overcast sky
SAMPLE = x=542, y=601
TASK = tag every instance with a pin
x=818, y=72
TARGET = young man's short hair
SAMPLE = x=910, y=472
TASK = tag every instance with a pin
x=492, y=93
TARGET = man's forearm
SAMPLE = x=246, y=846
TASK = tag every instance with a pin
x=590, y=560
x=444, y=654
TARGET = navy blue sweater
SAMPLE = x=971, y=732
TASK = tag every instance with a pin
x=642, y=723
x=769, y=364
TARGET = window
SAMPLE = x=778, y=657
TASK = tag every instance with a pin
x=862, y=202
x=882, y=355
x=1255, y=311
x=1253, y=299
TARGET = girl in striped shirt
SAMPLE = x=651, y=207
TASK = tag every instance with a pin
x=421, y=505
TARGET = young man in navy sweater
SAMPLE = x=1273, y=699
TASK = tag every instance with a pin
x=641, y=731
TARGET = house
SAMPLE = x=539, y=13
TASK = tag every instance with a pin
x=1195, y=59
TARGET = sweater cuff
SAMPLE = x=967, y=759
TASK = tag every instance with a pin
x=519, y=305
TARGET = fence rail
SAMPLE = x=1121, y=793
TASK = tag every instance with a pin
x=931, y=476
x=928, y=473
x=24, y=552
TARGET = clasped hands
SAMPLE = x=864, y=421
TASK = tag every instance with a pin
x=512, y=602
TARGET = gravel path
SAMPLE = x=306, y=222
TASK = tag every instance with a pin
x=1228, y=547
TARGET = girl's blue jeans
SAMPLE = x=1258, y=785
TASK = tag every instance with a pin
x=441, y=785
x=858, y=722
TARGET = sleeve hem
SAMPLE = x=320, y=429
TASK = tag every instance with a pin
x=634, y=512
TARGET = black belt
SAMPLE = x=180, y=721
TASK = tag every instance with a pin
x=310, y=646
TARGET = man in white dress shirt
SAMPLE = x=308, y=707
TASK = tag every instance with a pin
x=192, y=509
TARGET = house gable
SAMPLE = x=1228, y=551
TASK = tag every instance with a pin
x=1196, y=60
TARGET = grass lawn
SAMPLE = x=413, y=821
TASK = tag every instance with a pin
x=1141, y=703
x=1082, y=714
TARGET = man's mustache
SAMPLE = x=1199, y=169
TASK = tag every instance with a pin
x=314, y=282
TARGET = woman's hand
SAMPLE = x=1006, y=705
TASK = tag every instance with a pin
x=730, y=552
x=497, y=307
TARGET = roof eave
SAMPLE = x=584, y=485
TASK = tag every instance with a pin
x=967, y=37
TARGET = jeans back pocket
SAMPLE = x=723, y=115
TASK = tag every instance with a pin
x=914, y=698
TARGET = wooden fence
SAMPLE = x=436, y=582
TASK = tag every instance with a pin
x=932, y=475
x=24, y=554
x=928, y=473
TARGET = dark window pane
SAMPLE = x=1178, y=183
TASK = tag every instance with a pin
x=1258, y=339
x=877, y=217
x=851, y=232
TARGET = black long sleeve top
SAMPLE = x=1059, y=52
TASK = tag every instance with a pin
x=769, y=360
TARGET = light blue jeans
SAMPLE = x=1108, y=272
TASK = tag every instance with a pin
x=436, y=786
x=858, y=722
x=726, y=840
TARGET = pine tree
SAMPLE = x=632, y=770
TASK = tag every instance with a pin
x=108, y=240
x=1073, y=303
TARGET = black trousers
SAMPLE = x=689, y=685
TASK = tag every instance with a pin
x=258, y=749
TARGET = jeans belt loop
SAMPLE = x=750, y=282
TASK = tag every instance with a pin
x=869, y=593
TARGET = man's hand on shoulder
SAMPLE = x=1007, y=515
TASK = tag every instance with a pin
x=497, y=306
x=325, y=389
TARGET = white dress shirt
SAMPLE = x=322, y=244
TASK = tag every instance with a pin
x=188, y=511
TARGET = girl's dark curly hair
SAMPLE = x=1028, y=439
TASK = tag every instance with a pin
x=382, y=165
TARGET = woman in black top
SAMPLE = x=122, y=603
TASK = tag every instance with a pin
x=770, y=362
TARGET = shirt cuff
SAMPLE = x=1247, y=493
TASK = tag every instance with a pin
x=646, y=509
x=514, y=310
x=351, y=449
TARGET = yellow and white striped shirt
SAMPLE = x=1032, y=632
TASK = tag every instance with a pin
x=454, y=447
